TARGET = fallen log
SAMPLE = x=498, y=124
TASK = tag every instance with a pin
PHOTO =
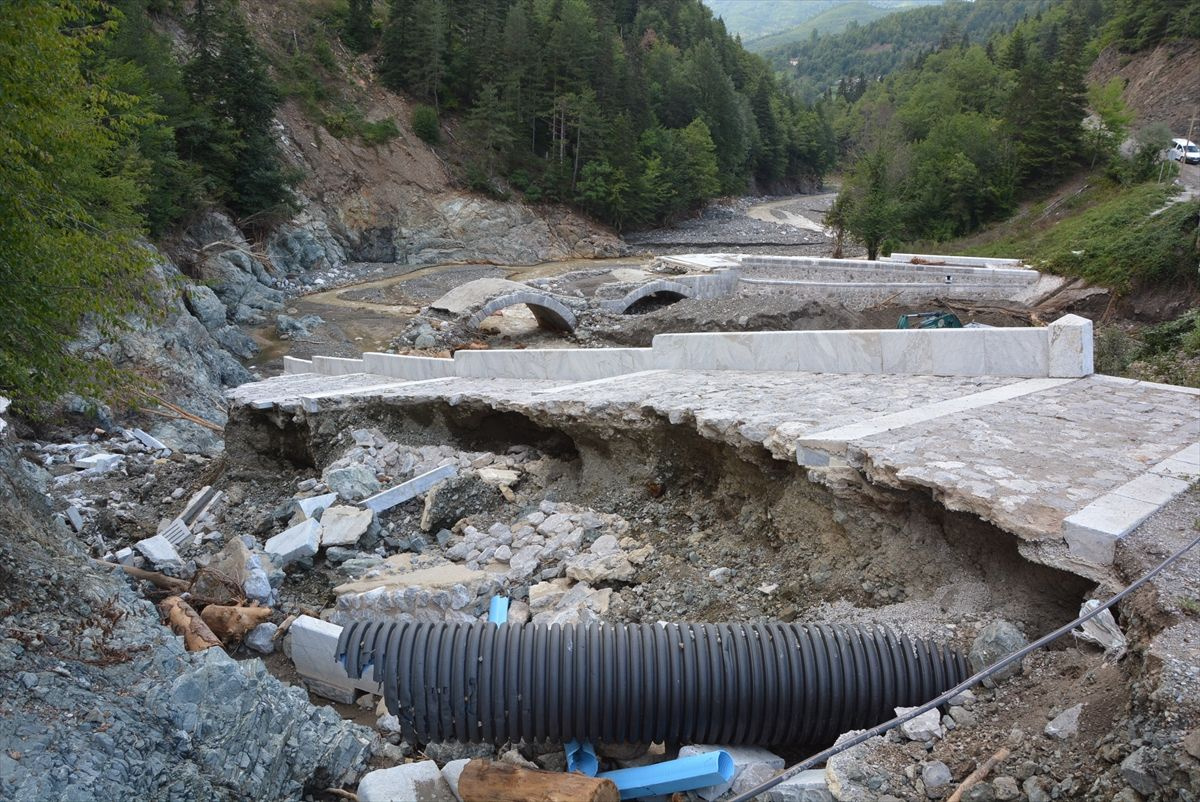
x=185, y=621
x=232, y=623
x=486, y=781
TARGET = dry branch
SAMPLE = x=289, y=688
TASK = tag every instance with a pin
x=979, y=773
x=167, y=583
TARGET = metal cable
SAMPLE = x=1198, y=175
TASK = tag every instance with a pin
x=966, y=684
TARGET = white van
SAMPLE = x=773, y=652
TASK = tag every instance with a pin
x=1183, y=150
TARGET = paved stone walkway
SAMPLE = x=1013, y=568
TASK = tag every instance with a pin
x=1024, y=454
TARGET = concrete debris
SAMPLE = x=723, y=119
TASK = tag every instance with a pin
x=1103, y=631
x=452, y=771
x=411, y=782
x=74, y=518
x=296, y=543
x=101, y=462
x=149, y=441
x=343, y=526
x=159, y=552
x=925, y=727
x=408, y=490
x=311, y=506
x=1066, y=724
x=807, y=786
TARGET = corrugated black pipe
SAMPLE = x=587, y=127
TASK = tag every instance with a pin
x=639, y=683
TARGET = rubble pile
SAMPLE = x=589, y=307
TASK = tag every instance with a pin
x=272, y=567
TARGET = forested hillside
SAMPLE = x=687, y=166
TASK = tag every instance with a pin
x=862, y=53
x=959, y=139
x=634, y=111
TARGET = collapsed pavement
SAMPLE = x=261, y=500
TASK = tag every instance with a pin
x=677, y=494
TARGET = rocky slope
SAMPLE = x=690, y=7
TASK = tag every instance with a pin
x=99, y=701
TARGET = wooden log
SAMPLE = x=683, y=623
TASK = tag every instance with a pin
x=186, y=622
x=485, y=781
x=167, y=583
x=232, y=623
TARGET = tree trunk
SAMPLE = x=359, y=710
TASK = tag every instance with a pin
x=186, y=622
x=485, y=781
x=232, y=623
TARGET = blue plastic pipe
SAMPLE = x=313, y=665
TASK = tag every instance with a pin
x=581, y=757
x=682, y=774
x=498, y=610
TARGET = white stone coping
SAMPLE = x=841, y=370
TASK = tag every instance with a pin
x=1060, y=350
x=952, y=259
x=757, y=260
x=1092, y=533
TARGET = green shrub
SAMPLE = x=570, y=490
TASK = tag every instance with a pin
x=379, y=132
x=425, y=124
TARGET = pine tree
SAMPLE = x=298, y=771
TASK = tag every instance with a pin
x=231, y=135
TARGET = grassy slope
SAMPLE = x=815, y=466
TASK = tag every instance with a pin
x=1127, y=239
x=1121, y=238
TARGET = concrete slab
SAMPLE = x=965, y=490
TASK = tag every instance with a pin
x=405, y=491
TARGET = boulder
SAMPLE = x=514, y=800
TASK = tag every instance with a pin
x=994, y=642
x=353, y=482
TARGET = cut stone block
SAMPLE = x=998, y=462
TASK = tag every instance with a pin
x=176, y=532
x=312, y=646
x=807, y=786
x=301, y=541
x=309, y=506
x=1071, y=348
x=148, y=440
x=75, y=518
x=158, y=550
x=408, y=490
x=1093, y=532
x=743, y=758
x=101, y=462
x=1152, y=488
x=411, y=782
x=124, y=556
x=343, y=526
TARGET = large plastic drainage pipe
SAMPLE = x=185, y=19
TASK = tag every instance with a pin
x=641, y=683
